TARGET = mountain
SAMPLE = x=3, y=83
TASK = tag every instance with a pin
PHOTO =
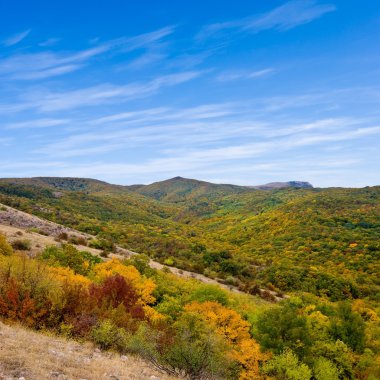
x=281, y=236
x=64, y=183
x=179, y=189
x=284, y=185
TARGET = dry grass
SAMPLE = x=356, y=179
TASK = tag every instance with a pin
x=38, y=241
x=35, y=356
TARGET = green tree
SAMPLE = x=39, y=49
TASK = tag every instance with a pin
x=324, y=369
x=286, y=366
x=349, y=327
x=284, y=327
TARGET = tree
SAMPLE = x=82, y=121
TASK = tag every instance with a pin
x=324, y=369
x=349, y=327
x=284, y=327
x=286, y=366
x=230, y=325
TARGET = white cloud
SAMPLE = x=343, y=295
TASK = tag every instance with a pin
x=238, y=75
x=37, y=66
x=49, y=42
x=40, y=123
x=15, y=39
x=282, y=18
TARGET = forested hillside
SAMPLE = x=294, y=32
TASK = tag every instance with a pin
x=320, y=246
x=323, y=241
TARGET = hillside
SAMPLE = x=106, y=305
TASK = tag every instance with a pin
x=320, y=246
x=35, y=356
x=243, y=235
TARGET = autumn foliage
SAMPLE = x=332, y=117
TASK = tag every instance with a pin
x=230, y=325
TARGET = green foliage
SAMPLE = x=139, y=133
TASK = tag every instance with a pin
x=68, y=256
x=189, y=349
x=324, y=369
x=286, y=366
x=108, y=336
x=106, y=245
x=284, y=327
x=349, y=327
x=209, y=293
x=335, y=352
x=141, y=263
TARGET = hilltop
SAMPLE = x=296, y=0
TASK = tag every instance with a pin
x=283, y=185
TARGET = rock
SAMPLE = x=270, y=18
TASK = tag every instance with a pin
x=123, y=357
x=154, y=378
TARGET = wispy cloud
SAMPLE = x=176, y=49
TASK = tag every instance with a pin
x=282, y=18
x=49, y=42
x=208, y=126
x=228, y=76
x=37, y=66
x=39, y=123
x=15, y=39
x=101, y=94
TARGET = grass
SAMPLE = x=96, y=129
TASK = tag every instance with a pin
x=36, y=356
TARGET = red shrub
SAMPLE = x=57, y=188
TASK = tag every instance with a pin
x=114, y=291
x=16, y=305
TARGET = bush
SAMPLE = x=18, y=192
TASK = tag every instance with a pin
x=109, y=336
x=67, y=255
x=209, y=293
x=22, y=245
x=5, y=248
x=190, y=349
x=63, y=236
x=103, y=244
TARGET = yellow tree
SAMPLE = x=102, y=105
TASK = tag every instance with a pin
x=235, y=330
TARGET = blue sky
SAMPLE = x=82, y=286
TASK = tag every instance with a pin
x=243, y=92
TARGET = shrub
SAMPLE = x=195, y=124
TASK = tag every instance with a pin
x=190, y=349
x=5, y=248
x=68, y=256
x=209, y=293
x=108, y=336
x=22, y=245
x=115, y=291
x=63, y=236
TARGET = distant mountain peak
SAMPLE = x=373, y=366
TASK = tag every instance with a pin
x=283, y=185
